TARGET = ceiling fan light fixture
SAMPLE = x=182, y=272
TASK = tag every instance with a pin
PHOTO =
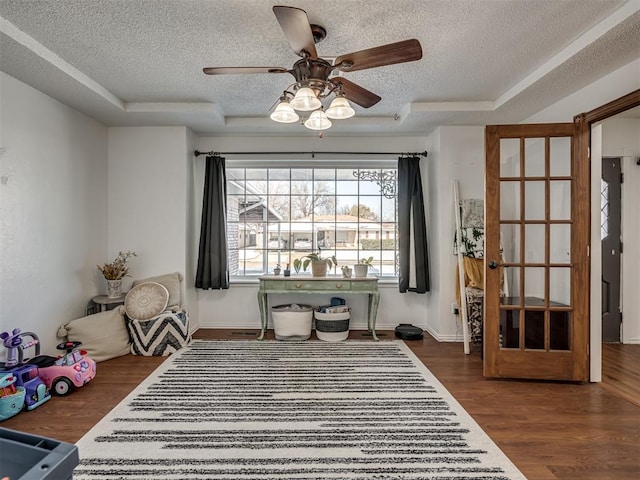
x=305, y=100
x=284, y=113
x=317, y=121
x=340, y=109
x=312, y=73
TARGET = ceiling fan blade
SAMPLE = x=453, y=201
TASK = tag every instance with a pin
x=356, y=93
x=399, y=52
x=230, y=70
x=295, y=25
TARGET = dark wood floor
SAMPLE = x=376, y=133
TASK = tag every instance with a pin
x=549, y=430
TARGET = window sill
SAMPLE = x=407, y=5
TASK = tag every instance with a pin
x=256, y=281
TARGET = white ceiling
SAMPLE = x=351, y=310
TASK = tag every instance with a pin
x=139, y=62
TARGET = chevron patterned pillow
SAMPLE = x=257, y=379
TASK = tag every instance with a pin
x=161, y=335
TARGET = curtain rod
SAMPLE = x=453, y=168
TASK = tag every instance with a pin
x=313, y=154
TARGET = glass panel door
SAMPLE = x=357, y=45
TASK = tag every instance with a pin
x=529, y=312
x=533, y=205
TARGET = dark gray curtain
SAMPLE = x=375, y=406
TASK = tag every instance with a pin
x=213, y=263
x=414, y=262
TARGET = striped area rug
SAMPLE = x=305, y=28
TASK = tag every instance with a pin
x=269, y=410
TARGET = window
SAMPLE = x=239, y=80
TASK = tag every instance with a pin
x=275, y=215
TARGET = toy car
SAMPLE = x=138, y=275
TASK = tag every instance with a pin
x=11, y=397
x=27, y=377
x=64, y=373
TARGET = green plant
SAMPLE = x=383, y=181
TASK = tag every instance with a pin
x=117, y=269
x=317, y=257
x=297, y=264
x=366, y=261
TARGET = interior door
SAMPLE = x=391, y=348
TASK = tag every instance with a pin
x=610, y=230
x=537, y=214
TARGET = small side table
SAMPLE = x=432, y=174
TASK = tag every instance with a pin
x=105, y=303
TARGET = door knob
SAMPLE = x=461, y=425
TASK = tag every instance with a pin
x=493, y=265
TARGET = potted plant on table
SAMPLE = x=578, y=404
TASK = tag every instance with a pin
x=115, y=271
x=362, y=269
x=346, y=271
x=319, y=264
x=297, y=265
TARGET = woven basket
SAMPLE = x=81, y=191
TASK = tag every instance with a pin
x=332, y=327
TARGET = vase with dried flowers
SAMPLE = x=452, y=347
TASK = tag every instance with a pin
x=115, y=271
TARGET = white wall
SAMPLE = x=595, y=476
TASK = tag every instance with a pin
x=430, y=170
x=150, y=202
x=621, y=138
x=237, y=307
x=53, y=211
x=191, y=227
x=595, y=252
x=457, y=154
x=618, y=83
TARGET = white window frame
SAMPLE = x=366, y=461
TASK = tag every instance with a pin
x=268, y=264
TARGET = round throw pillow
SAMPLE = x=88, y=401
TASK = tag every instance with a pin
x=146, y=300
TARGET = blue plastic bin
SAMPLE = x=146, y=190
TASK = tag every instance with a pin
x=30, y=457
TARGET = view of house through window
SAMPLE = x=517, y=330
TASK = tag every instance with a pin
x=275, y=215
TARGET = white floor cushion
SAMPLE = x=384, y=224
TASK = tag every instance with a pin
x=103, y=335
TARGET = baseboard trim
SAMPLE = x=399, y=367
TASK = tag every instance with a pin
x=362, y=325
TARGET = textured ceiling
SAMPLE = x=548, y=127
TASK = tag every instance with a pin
x=139, y=62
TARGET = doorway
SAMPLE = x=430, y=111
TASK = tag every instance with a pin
x=593, y=146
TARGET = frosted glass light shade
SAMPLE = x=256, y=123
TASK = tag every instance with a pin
x=340, y=109
x=318, y=121
x=305, y=100
x=284, y=113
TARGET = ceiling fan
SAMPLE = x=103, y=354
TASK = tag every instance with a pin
x=312, y=73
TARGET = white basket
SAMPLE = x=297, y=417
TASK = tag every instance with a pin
x=332, y=327
x=292, y=324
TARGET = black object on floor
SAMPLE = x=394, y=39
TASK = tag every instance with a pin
x=406, y=331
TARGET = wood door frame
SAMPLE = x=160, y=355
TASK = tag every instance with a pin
x=585, y=122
